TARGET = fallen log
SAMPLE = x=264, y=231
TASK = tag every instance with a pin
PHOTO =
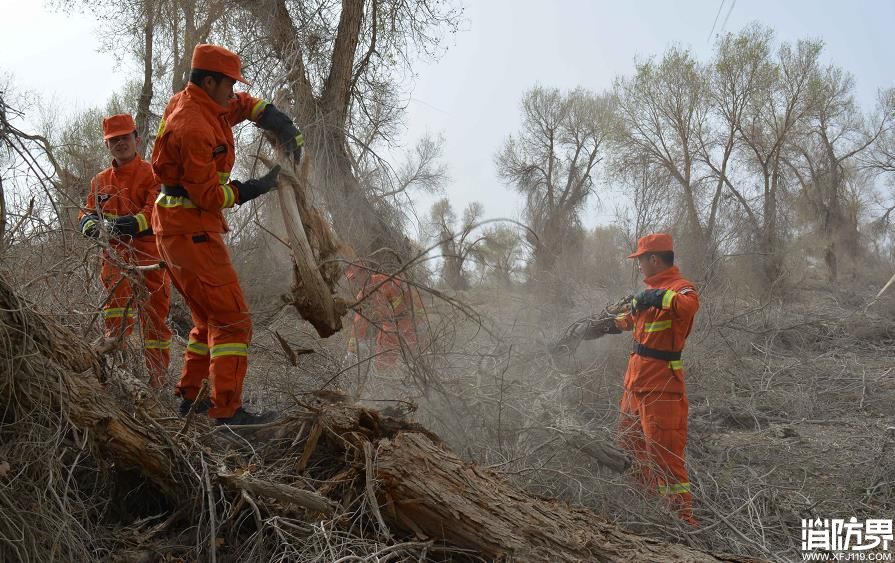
x=285, y=493
x=425, y=490
x=48, y=366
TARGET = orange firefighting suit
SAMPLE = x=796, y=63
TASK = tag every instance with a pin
x=393, y=307
x=654, y=405
x=118, y=191
x=192, y=159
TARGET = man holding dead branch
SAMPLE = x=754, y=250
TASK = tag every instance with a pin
x=120, y=205
x=654, y=406
x=192, y=159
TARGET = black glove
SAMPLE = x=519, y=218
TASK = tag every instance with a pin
x=89, y=226
x=277, y=122
x=609, y=326
x=648, y=298
x=250, y=189
x=294, y=145
x=599, y=327
x=124, y=226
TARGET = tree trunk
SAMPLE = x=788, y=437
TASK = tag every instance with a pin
x=145, y=101
x=452, y=265
x=368, y=226
x=769, y=238
x=2, y=219
x=183, y=57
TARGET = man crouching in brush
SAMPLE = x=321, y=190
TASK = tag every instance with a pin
x=654, y=406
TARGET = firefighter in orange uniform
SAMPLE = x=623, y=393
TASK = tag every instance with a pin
x=393, y=308
x=654, y=405
x=192, y=159
x=120, y=202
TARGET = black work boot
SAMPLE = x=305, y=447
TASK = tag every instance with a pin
x=243, y=417
x=201, y=408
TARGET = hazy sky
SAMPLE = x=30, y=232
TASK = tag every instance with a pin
x=472, y=93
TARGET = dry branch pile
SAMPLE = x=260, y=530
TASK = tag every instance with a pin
x=127, y=481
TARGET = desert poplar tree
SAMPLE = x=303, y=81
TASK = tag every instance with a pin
x=552, y=161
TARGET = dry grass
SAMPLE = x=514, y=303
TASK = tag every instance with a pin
x=790, y=414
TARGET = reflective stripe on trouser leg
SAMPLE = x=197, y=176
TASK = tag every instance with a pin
x=119, y=310
x=202, y=272
x=196, y=361
x=673, y=488
x=154, y=321
x=229, y=332
x=664, y=417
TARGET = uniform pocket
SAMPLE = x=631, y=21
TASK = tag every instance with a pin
x=665, y=416
x=212, y=260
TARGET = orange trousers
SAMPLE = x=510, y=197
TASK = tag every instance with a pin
x=222, y=329
x=395, y=339
x=150, y=302
x=653, y=429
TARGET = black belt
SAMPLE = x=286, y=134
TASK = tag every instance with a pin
x=177, y=191
x=647, y=352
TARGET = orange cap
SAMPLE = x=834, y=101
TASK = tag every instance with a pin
x=659, y=242
x=117, y=125
x=218, y=59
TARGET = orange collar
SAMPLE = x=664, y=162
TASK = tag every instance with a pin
x=128, y=167
x=203, y=100
x=663, y=277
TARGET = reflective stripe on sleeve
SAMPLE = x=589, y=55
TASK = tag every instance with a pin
x=666, y=299
x=257, y=109
x=229, y=349
x=161, y=128
x=229, y=195
x=157, y=344
x=142, y=223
